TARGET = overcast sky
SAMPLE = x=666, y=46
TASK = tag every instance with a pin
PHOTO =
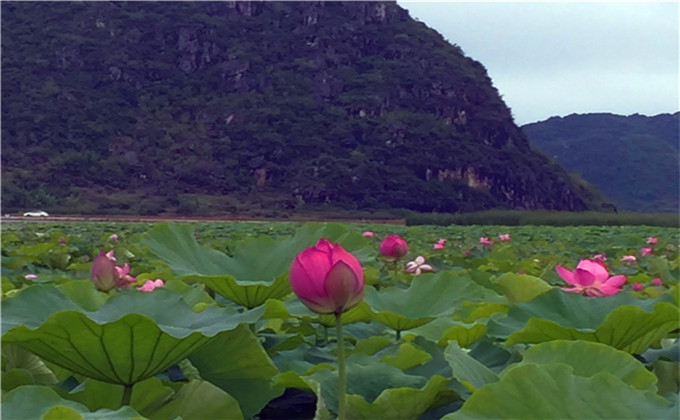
x=561, y=58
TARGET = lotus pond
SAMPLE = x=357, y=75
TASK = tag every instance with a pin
x=480, y=327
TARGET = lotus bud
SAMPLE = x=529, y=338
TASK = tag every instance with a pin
x=103, y=273
x=393, y=247
x=327, y=278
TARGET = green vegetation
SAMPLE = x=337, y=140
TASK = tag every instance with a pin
x=549, y=218
x=246, y=107
x=632, y=159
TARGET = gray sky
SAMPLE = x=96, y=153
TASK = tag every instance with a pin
x=561, y=58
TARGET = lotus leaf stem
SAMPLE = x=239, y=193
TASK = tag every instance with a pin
x=127, y=395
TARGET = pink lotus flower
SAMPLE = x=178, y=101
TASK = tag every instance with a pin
x=150, y=285
x=637, y=286
x=656, y=281
x=504, y=237
x=467, y=252
x=418, y=266
x=393, y=247
x=652, y=240
x=485, y=241
x=600, y=258
x=62, y=240
x=629, y=258
x=114, y=237
x=441, y=241
x=124, y=277
x=646, y=252
x=104, y=273
x=438, y=246
x=327, y=278
x=368, y=234
x=31, y=276
x=591, y=278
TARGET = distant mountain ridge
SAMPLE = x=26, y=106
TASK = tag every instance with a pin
x=632, y=159
x=222, y=106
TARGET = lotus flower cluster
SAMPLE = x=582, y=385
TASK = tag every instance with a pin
x=393, y=247
x=591, y=278
x=504, y=237
x=106, y=275
x=440, y=244
x=327, y=278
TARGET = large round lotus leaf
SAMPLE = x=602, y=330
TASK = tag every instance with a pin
x=621, y=321
x=553, y=391
x=587, y=359
x=427, y=297
x=37, y=402
x=245, y=294
x=133, y=336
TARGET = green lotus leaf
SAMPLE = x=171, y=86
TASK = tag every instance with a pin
x=668, y=376
x=84, y=294
x=521, y=287
x=40, y=402
x=466, y=369
x=199, y=400
x=236, y=362
x=407, y=356
x=588, y=358
x=553, y=391
x=21, y=367
x=401, y=403
x=250, y=295
x=428, y=297
x=444, y=329
x=622, y=321
x=133, y=336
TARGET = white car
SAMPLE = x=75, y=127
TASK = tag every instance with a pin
x=36, y=214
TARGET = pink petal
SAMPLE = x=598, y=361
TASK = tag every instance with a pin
x=616, y=281
x=585, y=278
x=567, y=275
x=426, y=267
x=596, y=268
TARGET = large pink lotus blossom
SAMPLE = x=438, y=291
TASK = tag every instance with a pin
x=393, y=247
x=646, y=252
x=485, y=241
x=504, y=237
x=591, y=278
x=150, y=285
x=418, y=266
x=629, y=258
x=652, y=240
x=327, y=278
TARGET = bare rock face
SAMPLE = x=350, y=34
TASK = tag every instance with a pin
x=349, y=103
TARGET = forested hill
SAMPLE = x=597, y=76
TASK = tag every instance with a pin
x=220, y=106
x=632, y=159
